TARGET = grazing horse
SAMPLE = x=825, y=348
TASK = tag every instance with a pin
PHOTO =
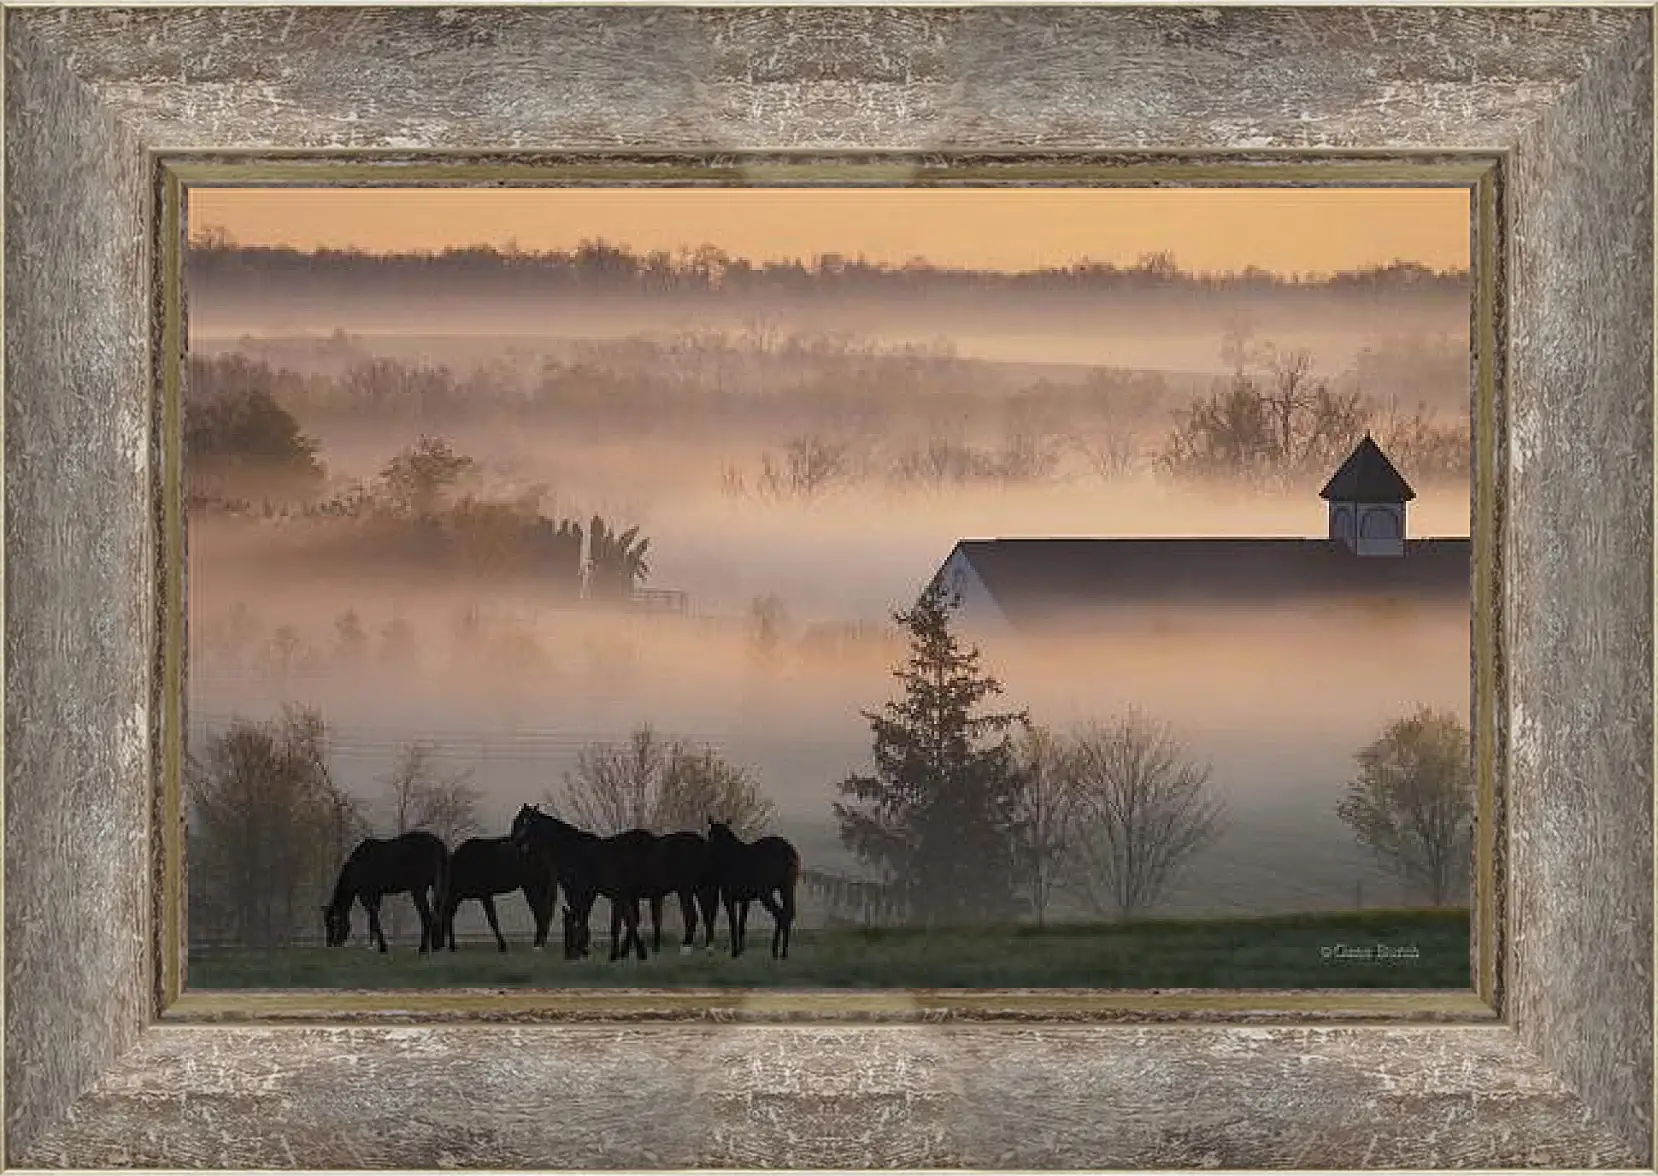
x=483, y=867
x=414, y=863
x=766, y=870
x=587, y=866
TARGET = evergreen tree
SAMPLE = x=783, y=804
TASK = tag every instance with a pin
x=940, y=813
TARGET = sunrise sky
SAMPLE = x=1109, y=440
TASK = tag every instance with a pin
x=1290, y=230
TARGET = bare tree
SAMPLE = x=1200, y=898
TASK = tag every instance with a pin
x=1112, y=411
x=1139, y=809
x=1412, y=803
x=1278, y=421
x=660, y=784
x=698, y=784
x=1111, y=452
x=811, y=465
x=1423, y=442
x=761, y=336
x=1312, y=423
x=422, y=797
x=1043, y=812
x=613, y=786
x=267, y=826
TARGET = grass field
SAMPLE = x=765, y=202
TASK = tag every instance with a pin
x=1291, y=951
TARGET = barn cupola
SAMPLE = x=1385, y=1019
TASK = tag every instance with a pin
x=1367, y=499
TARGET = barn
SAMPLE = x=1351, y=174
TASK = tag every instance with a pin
x=1028, y=584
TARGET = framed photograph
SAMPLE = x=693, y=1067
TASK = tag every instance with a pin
x=914, y=560
x=510, y=531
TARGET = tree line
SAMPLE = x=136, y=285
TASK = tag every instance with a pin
x=1273, y=422
x=596, y=265
x=1275, y=419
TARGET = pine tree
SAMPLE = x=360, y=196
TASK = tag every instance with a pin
x=939, y=815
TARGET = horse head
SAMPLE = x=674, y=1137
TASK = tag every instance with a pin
x=522, y=823
x=336, y=925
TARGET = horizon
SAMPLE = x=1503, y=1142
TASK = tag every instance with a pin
x=1206, y=231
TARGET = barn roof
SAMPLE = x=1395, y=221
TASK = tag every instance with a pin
x=1031, y=579
x=1367, y=476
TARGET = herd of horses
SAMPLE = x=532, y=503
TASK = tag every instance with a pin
x=543, y=855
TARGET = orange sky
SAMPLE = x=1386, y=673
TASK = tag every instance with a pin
x=1306, y=230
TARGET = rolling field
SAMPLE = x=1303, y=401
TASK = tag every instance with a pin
x=1293, y=951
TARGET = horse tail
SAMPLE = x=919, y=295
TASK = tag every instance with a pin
x=791, y=878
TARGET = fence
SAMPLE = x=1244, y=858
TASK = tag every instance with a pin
x=671, y=600
x=359, y=940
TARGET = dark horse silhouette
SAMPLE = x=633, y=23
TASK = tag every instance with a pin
x=415, y=863
x=680, y=866
x=686, y=866
x=483, y=867
x=587, y=866
x=767, y=869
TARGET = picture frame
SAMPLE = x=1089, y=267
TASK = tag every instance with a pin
x=1547, y=1063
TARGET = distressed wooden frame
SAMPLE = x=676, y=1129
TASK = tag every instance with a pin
x=1548, y=112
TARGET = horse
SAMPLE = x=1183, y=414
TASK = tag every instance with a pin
x=677, y=865
x=483, y=867
x=587, y=866
x=413, y=863
x=681, y=867
x=767, y=869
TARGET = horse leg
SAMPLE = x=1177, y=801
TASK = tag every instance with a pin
x=584, y=928
x=775, y=909
x=709, y=900
x=375, y=935
x=617, y=946
x=494, y=925
x=731, y=926
x=428, y=921
x=634, y=921
x=543, y=912
x=446, y=922
x=787, y=896
x=656, y=923
x=742, y=927
x=688, y=916
x=572, y=936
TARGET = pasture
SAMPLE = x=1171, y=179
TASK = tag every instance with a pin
x=1286, y=951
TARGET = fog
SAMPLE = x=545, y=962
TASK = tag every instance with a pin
x=509, y=682
x=1276, y=701
x=1177, y=337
